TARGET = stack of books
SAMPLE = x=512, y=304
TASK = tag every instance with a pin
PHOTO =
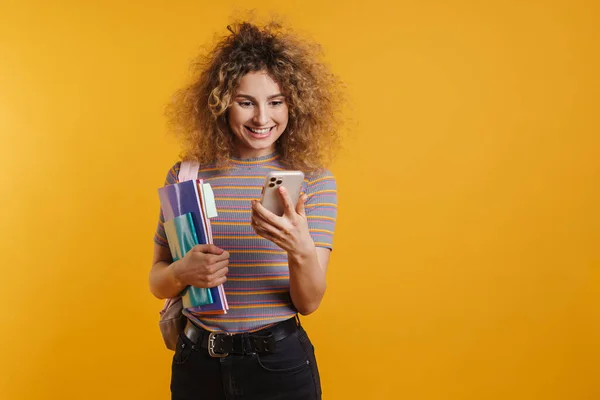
x=187, y=208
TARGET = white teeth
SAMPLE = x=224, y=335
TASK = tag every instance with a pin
x=260, y=131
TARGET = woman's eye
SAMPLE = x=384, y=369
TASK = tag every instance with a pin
x=276, y=103
x=245, y=103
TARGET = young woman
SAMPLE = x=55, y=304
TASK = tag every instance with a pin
x=261, y=101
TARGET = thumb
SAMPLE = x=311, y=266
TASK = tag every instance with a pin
x=300, y=205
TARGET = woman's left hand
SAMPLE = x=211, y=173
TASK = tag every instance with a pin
x=290, y=231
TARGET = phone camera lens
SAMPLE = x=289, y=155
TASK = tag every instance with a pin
x=279, y=182
x=273, y=179
x=271, y=184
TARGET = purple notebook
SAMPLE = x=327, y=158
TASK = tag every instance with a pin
x=180, y=199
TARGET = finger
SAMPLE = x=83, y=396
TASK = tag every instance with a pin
x=268, y=235
x=223, y=256
x=206, y=259
x=265, y=227
x=218, y=281
x=258, y=210
x=218, y=273
x=210, y=280
x=300, y=206
x=213, y=279
x=265, y=235
x=288, y=206
x=207, y=248
x=218, y=266
x=260, y=229
x=260, y=219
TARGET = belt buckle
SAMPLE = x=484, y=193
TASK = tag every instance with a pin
x=211, y=345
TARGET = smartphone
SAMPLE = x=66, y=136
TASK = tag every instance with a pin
x=271, y=198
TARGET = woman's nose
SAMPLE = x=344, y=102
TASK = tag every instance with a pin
x=260, y=117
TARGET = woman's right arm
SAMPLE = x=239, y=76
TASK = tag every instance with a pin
x=163, y=283
x=204, y=266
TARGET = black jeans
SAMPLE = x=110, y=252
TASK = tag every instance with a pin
x=289, y=373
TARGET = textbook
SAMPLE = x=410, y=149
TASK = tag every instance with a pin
x=207, y=203
x=182, y=236
x=183, y=198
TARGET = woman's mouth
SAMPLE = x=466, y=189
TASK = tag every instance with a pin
x=259, y=133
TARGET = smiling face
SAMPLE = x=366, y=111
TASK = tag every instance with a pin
x=258, y=115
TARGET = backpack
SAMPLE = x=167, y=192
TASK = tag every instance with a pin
x=172, y=321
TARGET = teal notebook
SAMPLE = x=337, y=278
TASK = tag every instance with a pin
x=181, y=235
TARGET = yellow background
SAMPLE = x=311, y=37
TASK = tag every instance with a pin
x=466, y=260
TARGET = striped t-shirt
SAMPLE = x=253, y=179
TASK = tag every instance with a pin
x=257, y=286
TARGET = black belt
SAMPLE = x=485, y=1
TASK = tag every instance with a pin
x=221, y=344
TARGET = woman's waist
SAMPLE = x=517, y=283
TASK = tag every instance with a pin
x=243, y=318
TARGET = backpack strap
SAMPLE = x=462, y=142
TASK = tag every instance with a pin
x=188, y=171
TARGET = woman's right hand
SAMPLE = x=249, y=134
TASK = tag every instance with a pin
x=204, y=266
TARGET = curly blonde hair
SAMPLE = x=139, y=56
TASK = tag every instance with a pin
x=197, y=113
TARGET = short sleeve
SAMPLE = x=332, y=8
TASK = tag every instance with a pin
x=321, y=208
x=160, y=238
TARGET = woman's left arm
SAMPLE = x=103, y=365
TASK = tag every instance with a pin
x=307, y=263
x=307, y=280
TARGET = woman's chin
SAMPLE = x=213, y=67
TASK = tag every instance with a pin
x=254, y=148
x=260, y=142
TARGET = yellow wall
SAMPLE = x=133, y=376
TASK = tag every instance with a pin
x=466, y=261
